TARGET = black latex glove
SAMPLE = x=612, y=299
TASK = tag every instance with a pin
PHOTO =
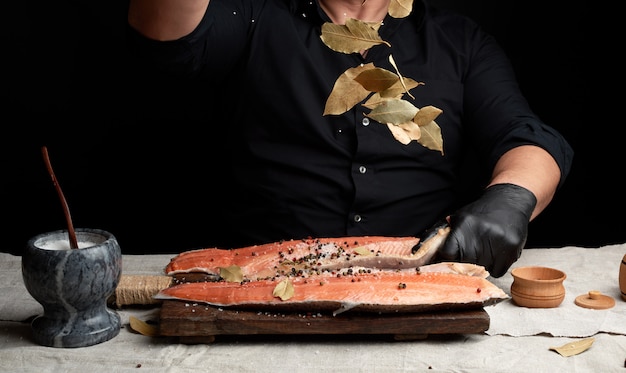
x=492, y=230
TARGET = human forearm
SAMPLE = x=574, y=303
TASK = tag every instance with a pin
x=530, y=167
x=492, y=230
x=166, y=19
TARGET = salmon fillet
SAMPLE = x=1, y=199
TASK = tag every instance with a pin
x=440, y=286
x=311, y=256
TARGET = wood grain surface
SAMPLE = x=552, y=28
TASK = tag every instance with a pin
x=193, y=320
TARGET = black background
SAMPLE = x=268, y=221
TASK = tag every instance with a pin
x=149, y=173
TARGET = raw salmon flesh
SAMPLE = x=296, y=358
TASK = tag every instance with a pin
x=370, y=274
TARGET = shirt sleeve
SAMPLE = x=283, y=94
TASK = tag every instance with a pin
x=209, y=52
x=497, y=114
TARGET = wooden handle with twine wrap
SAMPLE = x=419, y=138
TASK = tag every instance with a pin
x=139, y=290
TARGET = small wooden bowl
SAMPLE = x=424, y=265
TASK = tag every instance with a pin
x=537, y=287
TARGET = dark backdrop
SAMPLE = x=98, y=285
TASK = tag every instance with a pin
x=150, y=173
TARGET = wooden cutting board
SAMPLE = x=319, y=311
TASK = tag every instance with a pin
x=200, y=323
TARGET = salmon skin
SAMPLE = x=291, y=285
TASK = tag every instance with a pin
x=441, y=286
x=310, y=256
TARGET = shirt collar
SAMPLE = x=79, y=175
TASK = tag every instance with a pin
x=310, y=9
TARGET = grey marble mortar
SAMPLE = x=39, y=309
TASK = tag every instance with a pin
x=73, y=286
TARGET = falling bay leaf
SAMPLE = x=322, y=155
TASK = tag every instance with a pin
x=384, y=88
x=400, y=8
x=347, y=92
x=231, y=273
x=426, y=115
x=284, y=290
x=431, y=137
x=377, y=79
x=574, y=348
x=412, y=129
x=395, y=91
x=405, y=132
x=398, y=89
x=393, y=63
x=143, y=327
x=393, y=111
x=374, y=101
x=374, y=25
x=399, y=134
x=352, y=37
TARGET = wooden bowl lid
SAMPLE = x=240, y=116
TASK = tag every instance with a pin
x=595, y=300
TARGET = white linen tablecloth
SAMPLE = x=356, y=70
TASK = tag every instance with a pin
x=586, y=269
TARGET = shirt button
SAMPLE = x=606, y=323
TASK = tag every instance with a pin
x=362, y=169
x=357, y=218
x=366, y=122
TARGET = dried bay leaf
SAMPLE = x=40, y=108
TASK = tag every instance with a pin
x=143, y=327
x=374, y=25
x=374, y=101
x=393, y=63
x=426, y=115
x=377, y=79
x=393, y=111
x=428, y=135
x=384, y=88
x=231, y=273
x=412, y=129
x=405, y=132
x=352, y=37
x=399, y=134
x=347, y=92
x=395, y=91
x=398, y=89
x=363, y=251
x=400, y=8
x=431, y=137
x=284, y=290
x=574, y=348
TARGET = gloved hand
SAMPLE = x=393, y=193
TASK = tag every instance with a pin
x=492, y=230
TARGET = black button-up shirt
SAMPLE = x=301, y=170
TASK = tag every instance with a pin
x=296, y=173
